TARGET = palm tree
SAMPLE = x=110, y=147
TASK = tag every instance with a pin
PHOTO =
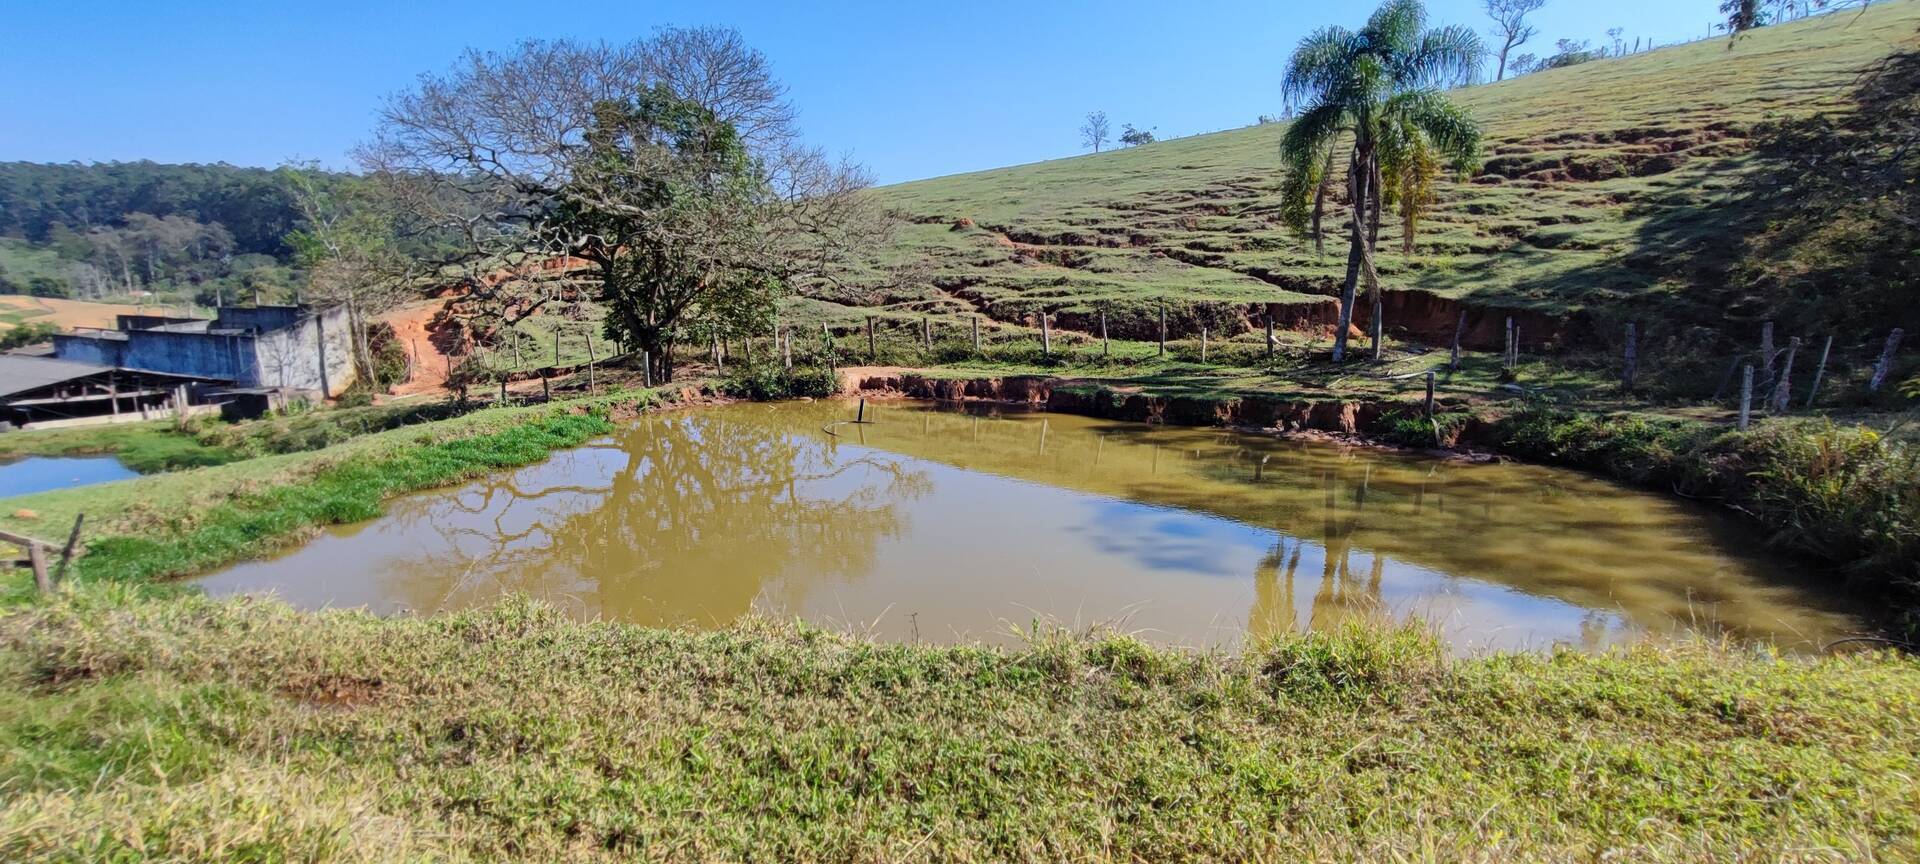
x=1375, y=90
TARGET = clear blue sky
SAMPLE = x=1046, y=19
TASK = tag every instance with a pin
x=910, y=89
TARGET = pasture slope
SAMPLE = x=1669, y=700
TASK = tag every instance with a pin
x=1605, y=187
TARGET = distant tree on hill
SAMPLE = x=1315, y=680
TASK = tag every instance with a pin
x=1569, y=52
x=1524, y=63
x=1743, y=15
x=1373, y=90
x=1511, y=29
x=1094, y=132
x=1132, y=137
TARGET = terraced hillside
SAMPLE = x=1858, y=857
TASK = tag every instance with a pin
x=1606, y=189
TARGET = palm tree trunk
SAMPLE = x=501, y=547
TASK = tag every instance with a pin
x=1373, y=201
x=1357, y=253
x=1369, y=158
x=1320, y=205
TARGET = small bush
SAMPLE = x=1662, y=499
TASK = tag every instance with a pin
x=764, y=381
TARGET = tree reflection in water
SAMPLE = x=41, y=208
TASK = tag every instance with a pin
x=680, y=519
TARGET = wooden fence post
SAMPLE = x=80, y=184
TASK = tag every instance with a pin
x=1629, y=360
x=1782, y=388
x=1884, y=366
x=1046, y=336
x=556, y=348
x=1819, y=371
x=66, y=553
x=590, y=359
x=1727, y=379
x=1203, y=344
x=1459, y=330
x=786, y=349
x=1429, y=395
x=1379, y=322
x=1506, y=359
x=1163, y=328
x=1106, y=348
x=646, y=368
x=1746, y=396
x=1269, y=333
x=976, y=334
x=926, y=332
x=37, y=559
x=872, y=355
x=1766, y=357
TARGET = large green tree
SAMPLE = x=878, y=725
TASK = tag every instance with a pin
x=665, y=174
x=668, y=207
x=1375, y=91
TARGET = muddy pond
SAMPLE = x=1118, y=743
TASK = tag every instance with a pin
x=941, y=524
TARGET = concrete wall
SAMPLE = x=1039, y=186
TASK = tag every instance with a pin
x=279, y=348
x=98, y=350
x=290, y=357
x=142, y=322
x=261, y=318
x=206, y=355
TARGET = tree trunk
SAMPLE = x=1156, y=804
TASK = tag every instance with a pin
x=1379, y=322
x=1884, y=366
x=1358, y=257
x=1373, y=202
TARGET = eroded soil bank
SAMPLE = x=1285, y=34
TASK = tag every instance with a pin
x=1345, y=417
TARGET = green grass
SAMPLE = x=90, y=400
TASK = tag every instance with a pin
x=1604, y=184
x=169, y=505
x=191, y=729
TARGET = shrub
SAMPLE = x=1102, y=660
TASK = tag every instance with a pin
x=763, y=381
x=31, y=333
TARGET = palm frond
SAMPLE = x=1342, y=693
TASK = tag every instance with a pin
x=1443, y=54
x=1323, y=59
x=1452, y=132
x=1309, y=138
x=1394, y=28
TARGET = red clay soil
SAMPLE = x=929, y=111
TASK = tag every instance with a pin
x=410, y=323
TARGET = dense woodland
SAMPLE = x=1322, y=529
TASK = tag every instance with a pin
x=116, y=229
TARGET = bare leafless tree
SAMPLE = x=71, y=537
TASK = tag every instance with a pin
x=1510, y=27
x=494, y=159
x=346, y=241
x=1094, y=132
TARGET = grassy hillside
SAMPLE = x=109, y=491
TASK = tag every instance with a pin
x=1604, y=184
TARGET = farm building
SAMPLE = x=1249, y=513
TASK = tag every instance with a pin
x=43, y=392
x=294, y=348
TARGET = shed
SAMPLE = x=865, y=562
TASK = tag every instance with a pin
x=42, y=391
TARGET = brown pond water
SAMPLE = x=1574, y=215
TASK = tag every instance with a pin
x=940, y=524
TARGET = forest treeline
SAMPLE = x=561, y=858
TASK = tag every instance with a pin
x=119, y=227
